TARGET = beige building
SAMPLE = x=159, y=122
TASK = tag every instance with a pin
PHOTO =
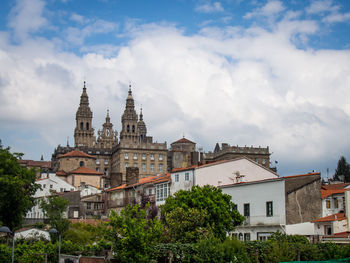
x=110, y=156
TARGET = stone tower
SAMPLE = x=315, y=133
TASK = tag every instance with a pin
x=84, y=133
x=107, y=137
x=130, y=131
x=141, y=126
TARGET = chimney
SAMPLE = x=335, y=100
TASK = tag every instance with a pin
x=116, y=179
x=132, y=175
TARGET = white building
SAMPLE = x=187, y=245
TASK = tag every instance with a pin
x=232, y=171
x=48, y=185
x=182, y=179
x=262, y=203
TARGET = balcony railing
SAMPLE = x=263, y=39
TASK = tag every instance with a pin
x=264, y=220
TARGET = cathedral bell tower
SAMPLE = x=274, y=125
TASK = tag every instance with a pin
x=107, y=137
x=84, y=135
x=129, y=130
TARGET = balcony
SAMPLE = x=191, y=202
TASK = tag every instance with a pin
x=264, y=220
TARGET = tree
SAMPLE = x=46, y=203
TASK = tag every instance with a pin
x=17, y=187
x=133, y=235
x=53, y=207
x=343, y=168
x=222, y=216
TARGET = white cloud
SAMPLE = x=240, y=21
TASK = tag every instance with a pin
x=209, y=7
x=26, y=17
x=77, y=35
x=235, y=85
x=322, y=6
x=336, y=18
x=271, y=8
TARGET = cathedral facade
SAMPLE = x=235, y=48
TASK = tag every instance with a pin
x=133, y=149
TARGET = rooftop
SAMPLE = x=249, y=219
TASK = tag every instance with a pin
x=331, y=218
x=77, y=153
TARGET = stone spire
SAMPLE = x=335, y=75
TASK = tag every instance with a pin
x=142, y=127
x=107, y=137
x=129, y=120
x=84, y=133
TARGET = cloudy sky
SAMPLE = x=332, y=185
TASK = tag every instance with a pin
x=268, y=73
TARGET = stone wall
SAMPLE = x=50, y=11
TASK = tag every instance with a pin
x=303, y=198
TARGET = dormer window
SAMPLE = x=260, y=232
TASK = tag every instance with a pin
x=81, y=164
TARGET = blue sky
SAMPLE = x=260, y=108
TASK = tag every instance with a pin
x=269, y=73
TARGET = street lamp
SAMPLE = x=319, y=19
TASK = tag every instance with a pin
x=55, y=231
x=5, y=229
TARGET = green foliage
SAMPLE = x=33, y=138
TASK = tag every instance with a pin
x=133, y=234
x=53, y=208
x=17, y=186
x=221, y=218
x=5, y=253
x=186, y=226
x=343, y=168
x=214, y=250
x=178, y=252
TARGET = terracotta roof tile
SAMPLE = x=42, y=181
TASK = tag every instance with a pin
x=77, y=154
x=299, y=175
x=326, y=193
x=184, y=140
x=153, y=179
x=85, y=170
x=61, y=173
x=331, y=218
x=184, y=169
x=335, y=186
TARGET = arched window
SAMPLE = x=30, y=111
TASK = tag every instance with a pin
x=81, y=163
x=128, y=128
x=81, y=126
x=133, y=128
x=87, y=126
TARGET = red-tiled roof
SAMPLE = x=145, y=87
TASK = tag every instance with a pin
x=31, y=163
x=85, y=170
x=335, y=186
x=185, y=169
x=326, y=193
x=153, y=179
x=184, y=140
x=61, y=173
x=342, y=234
x=77, y=154
x=298, y=175
x=331, y=218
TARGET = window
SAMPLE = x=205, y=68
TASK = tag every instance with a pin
x=163, y=191
x=61, y=189
x=269, y=208
x=126, y=165
x=106, y=172
x=133, y=128
x=263, y=236
x=51, y=186
x=328, y=203
x=187, y=176
x=152, y=157
x=97, y=169
x=98, y=161
x=246, y=210
x=256, y=160
x=176, y=177
x=150, y=191
x=95, y=206
x=263, y=161
x=88, y=205
x=336, y=203
x=143, y=167
x=246, y=236
x=143, y=156
x=135, y=164
x=160, y=167
x=44, y=185
x=135, y=156
x=87, y=126
x=126, y=156
x=81, y=163
x=106, y=161
x=152, y=167
x=81, y=126
x=128, y=128
x=160, y=157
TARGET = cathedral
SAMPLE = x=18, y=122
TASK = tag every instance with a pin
x=112, y=156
